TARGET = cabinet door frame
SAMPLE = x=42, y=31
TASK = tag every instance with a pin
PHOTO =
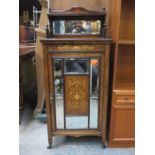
x=100, y=57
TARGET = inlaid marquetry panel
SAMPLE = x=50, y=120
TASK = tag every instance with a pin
x=76, y=47
x=76, y=94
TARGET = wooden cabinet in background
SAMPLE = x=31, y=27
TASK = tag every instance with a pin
x=26, y=85
x=122, y=124
x=122, y=116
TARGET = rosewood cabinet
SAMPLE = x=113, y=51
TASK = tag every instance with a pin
x=76, y=70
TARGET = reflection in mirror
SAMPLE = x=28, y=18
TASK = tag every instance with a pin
x=94, y=76
x=76, y=66
x=94, y=86
x=77, y=122
x=76, y=27
x=58, y=82
x=58, y=76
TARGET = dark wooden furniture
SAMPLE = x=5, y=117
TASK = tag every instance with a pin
x=76, y=70
x=26, y=51
x=122, y=121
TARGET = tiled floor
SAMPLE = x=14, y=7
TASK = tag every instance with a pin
x=33, y=141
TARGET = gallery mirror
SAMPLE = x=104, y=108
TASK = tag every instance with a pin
x=73, y=27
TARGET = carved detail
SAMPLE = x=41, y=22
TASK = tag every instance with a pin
x=77, y=9
x=76, y=47
x=72, y=48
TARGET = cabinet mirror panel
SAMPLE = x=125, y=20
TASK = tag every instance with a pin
x=77, y=122
x=59, y=97
x=94, y=76
x=94, y=92
x=74, y=27
x=76, y=66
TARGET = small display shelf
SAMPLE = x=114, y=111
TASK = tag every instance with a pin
x=76, y=22
x=125, y=69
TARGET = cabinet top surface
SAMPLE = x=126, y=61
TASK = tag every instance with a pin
x=76, y=40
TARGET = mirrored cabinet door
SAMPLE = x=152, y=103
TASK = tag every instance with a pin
x=76, y=92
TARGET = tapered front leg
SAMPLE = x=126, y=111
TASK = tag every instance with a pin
x=50, y=141
x=103, y=141
x=103, y=145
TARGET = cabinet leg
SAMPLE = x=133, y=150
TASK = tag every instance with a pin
x=103, y=142
x=49, y=146
x=49, y=143
x=103, y=146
